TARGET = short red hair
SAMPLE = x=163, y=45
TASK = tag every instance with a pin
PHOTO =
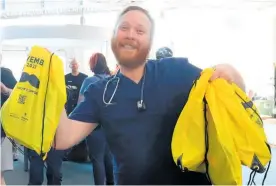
x=93, y=61
x=98, y=64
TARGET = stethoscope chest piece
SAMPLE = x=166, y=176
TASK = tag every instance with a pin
x=141, y=106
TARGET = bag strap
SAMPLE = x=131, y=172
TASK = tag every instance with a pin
x=43, y=155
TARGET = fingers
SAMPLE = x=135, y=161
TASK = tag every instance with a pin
x=214, y=77
x=224, y=76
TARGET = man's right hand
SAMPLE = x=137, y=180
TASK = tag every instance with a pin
x=4, y=90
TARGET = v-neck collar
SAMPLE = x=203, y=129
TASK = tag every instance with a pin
x=120, y=75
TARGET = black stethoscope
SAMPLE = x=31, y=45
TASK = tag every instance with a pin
x=141, y=106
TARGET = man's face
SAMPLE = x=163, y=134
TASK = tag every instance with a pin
x=132, y=39
x=74, y=65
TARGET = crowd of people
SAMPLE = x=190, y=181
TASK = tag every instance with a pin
x=132, y=112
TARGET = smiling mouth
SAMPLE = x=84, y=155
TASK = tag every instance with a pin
x=128, y=47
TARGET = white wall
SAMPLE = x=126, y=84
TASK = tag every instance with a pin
x=70, y=41
x=15, y=57
x=244, y=39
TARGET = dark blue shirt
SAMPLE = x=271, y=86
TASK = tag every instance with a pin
x=8, y=80
x=141, y=141
x=87, y=81
x=73, y=85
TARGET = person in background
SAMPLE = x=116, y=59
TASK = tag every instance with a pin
x=53, y=171
x=99, y=152
x=164, y=52
x=8, y=82
x=6, y=145
x=73, y=81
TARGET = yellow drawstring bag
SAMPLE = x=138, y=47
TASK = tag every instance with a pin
x=224, y=166
x=188, y=142
x=197, y=140
x=246, y=126
x=234, y=134
x=32, y=112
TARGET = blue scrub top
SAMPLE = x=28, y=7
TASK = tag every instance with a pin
x=141, y=141
x=87, y=81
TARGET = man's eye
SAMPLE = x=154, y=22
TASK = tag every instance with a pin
x=123, y=27
x=140, y=32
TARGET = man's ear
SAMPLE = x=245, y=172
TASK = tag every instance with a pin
x=114, y=33
x=113, y=36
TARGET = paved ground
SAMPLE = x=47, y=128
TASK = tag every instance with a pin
x=81, y=174
x=73, y=174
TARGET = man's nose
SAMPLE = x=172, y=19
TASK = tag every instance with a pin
x=131, y=34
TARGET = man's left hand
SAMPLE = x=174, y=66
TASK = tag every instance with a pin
x=229, y=73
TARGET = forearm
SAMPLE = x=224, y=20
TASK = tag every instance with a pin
x=62, y=132
x=71, y=132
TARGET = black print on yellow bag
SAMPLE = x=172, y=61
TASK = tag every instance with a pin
x=218, y=131
x=31, y=114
